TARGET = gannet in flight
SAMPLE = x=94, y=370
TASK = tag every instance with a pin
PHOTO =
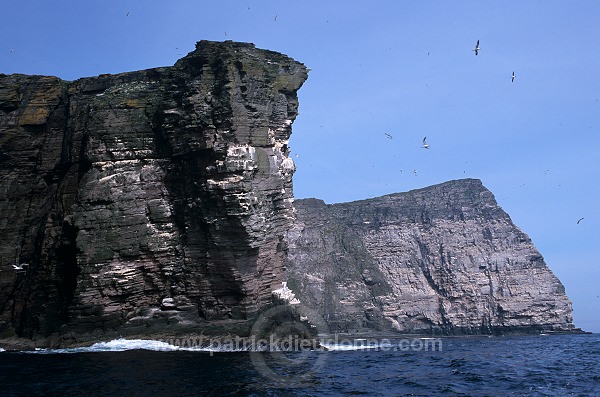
x=513, y=77
x=388, y=135
x=20, y=266
x=425, y=145
x=476, y=49
x=580, y=219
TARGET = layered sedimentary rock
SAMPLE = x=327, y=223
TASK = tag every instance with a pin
x=157, y=197
x=160, y=202
x=444, y=260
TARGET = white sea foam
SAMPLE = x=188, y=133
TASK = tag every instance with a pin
x=119, y=345
x=2, y=350
x=116, y=345
x=217, y=349
x=132, y=344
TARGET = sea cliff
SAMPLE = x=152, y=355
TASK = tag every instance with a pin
x=442, y=260
x=149, y=201
x=160, y=202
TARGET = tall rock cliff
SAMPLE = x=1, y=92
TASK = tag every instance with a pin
x=157, y=198
x=444, y=260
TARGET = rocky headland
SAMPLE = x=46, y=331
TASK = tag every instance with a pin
x=443, y=260
x=159, y=202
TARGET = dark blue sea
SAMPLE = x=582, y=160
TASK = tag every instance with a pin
x=553, y=365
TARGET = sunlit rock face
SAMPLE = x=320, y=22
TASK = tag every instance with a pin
x=151, y=200
x=445, y=260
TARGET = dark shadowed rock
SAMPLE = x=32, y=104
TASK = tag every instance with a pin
x=148, y=201
x=445, y=259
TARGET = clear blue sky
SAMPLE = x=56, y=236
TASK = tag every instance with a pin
x=400, y=67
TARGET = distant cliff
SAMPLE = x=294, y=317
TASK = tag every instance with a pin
x=148, y=201
x=444, y=260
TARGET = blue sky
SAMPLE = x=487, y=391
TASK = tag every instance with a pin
x=400, y=67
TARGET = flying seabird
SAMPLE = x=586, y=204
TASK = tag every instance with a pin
x=20, y=266
x=425, y=145
x=512, y=79
x=476, y=49
x=580, y=219
x=388, y=135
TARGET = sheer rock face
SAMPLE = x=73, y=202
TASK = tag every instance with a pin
x=445, y=259
x=153, y=198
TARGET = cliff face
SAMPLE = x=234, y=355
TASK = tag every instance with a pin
x=445, y=259
x=160, y=201
x=157, y=198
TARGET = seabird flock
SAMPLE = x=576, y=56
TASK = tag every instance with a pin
x=476, y=50
x=425, y=145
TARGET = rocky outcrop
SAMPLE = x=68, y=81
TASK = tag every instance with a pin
x=151, y=200
x=444, y=260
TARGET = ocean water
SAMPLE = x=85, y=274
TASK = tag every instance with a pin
x=553, y=365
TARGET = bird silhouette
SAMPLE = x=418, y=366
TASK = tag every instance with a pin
x=476, y=49
x=425, y=145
